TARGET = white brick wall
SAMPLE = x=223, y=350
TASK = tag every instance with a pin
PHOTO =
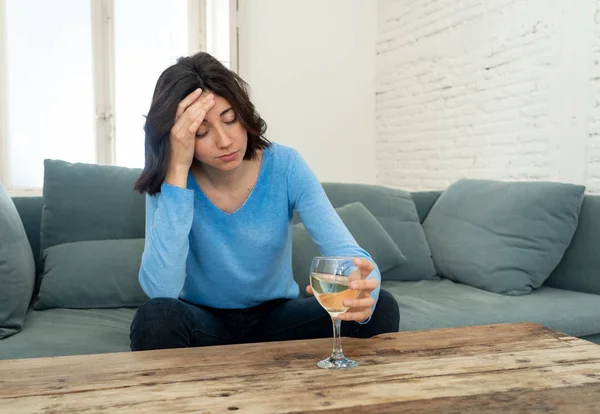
x=593, y=182
x=486, y=89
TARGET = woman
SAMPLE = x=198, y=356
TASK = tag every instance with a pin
x=220, y=198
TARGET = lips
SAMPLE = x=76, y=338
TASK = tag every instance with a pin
x=227, y=156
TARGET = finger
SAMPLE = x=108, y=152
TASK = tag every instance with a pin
x=364, y=284
x=203, y=103
x=207, y=104
x=309, y=290
x=199, y=117
x=193, y=127
x=182, y=125
x=193, y=116
x=355, y=316
x=185, y=124
x=187, y=101
x=359, y=303
x=365, y=265
x=199, y=109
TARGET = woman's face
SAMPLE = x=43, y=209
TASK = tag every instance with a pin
x=221, y=140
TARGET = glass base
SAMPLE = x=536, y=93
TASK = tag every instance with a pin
x=337, y=363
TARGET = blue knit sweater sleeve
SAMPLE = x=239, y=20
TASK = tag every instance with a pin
x=169, y=216
x=321, y=220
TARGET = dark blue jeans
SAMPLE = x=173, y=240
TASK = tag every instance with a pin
x=172, y=323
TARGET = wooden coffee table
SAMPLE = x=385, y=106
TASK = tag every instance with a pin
x=509, y=368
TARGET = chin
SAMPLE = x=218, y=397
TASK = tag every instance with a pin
x=229, y=166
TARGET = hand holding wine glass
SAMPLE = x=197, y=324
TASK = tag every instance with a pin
x=360, y=308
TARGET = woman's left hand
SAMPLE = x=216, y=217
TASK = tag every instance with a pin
x=360, y=308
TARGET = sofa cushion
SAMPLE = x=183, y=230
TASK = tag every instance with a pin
x=505, y=237
x=92, y=274
x=17, y=268
x=367, y=232
x=432, y=304
x=579, y=269
x=57, y=332
x=30, y=210
x=90, y=202
x=396, y=212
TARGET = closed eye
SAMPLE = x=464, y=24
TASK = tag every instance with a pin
x=233, y=121
x=229, y=112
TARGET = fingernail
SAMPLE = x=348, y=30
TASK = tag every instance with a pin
x=198, y=90
x=347, y=302
x=353, y=285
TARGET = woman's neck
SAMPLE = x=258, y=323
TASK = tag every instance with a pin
x=227, y=181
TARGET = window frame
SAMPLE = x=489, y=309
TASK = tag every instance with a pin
x=103, y=49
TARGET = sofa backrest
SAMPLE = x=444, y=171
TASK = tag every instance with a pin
x=579, y=270
x=30, y=210
x=424, y=200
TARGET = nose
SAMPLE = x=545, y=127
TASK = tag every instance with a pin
x=222, y=140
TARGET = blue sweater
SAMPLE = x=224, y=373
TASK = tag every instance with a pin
x=197, y=252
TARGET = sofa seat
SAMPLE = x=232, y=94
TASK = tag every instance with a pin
x=426, y=304
x=430, y=304
x=57, y=332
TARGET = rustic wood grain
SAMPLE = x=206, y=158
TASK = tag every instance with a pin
x=495, y=368
x=574, y=400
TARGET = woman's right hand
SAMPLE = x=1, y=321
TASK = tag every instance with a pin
x=188, y=118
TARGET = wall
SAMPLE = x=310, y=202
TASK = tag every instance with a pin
x=501, y=90
x=594, y=128
x=311, y=67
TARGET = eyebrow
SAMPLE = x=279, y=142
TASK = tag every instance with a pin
x=221, y=114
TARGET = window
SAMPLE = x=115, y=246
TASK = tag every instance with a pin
x=79, y=76
x=49, y=77
x=142, y=52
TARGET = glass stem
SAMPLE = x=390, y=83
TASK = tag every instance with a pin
x=337, y=339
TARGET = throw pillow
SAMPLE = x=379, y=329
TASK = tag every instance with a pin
x=504, y=237
x=92, y=274
x=579, y=270
x=395, y=210
x=90, y=202
x=366, y=230
x=17, y=268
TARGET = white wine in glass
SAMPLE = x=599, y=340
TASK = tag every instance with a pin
x=331, y=291
x=330, y=279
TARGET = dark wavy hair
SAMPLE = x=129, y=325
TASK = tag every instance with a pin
x=174, y=84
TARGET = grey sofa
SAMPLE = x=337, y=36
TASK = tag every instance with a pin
x=561, y=303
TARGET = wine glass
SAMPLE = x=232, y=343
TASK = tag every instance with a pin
x=330, y=278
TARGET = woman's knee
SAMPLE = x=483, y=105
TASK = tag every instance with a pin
x=388, y=312
x=160, y=323
x=157, y=310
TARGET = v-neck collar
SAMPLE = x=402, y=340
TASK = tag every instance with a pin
x=193, y=185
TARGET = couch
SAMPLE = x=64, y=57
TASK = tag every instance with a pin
x=563, y=302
